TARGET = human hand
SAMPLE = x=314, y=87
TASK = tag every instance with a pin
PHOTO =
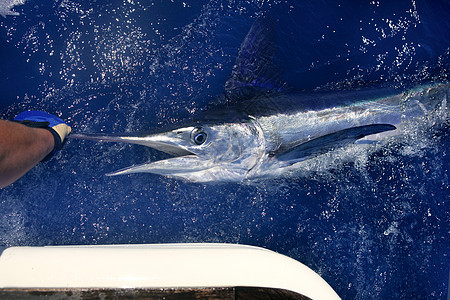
x=39, y=119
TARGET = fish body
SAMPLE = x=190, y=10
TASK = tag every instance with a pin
x=263, y=129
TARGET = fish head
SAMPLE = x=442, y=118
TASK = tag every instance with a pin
x=219, y=143
x=206, y=152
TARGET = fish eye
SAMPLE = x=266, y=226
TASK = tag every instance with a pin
x=198, y=136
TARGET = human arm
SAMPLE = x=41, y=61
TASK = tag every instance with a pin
x=22, y=147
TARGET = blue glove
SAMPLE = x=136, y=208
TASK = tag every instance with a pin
x=39, y=119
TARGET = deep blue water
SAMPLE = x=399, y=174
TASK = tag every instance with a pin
x=373, y=227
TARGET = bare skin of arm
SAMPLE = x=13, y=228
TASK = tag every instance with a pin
x=21, y=148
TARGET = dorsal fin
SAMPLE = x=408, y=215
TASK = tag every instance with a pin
x=254, y=72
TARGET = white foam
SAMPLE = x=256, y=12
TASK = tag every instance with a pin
x=7, y=5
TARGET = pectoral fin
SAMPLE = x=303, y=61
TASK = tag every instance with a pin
x=330, y=141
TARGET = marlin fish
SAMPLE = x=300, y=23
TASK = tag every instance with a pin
x=263, y=129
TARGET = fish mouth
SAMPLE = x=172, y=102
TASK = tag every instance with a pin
x=177, y=166
x=177, y=143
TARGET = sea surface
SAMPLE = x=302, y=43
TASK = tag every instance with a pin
x=375, y=226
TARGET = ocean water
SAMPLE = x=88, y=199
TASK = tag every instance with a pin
x=375, y=225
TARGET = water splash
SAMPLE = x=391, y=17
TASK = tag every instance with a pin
x=7, y=5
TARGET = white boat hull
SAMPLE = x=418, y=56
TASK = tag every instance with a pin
x=157, y=266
